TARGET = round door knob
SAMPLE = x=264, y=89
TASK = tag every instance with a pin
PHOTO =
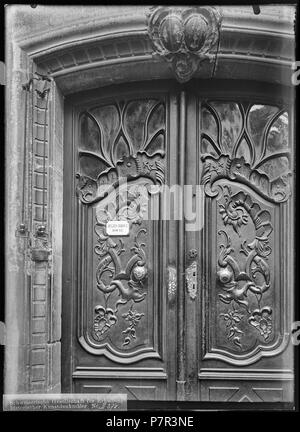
x=193, y=253
x=139, y=271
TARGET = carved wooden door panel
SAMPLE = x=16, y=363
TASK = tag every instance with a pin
x=153, y=306
x=122, y=320
x=241, y=306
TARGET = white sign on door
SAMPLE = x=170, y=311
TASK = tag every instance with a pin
x=117, y=228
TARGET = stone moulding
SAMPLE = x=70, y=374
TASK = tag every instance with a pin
x=93, y=43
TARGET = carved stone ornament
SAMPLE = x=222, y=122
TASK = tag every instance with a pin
x=184, y=36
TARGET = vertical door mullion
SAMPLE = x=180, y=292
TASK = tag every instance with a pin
x=192, y=251
x=172, y=128
x=181, y=343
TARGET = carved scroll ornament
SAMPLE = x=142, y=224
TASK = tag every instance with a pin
x=237, y=169
x=90, y=190
x=246, y=156
x=238, y=283
x=184, y=36
x=127, y=282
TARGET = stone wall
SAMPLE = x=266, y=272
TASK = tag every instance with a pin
x=46, y=275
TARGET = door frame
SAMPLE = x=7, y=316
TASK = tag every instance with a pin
x=217, y=90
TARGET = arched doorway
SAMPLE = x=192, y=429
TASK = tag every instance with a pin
x=215, y=313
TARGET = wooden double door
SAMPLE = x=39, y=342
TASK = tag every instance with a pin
x=177, y=274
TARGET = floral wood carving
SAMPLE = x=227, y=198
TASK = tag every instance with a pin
x=262, y=320
x=184, y=36
x=232, y=318
x=111, y=275
x=104, y=319
x=128, y=283
x=133, y=317
x=238, y=283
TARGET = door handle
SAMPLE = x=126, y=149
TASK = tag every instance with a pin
x=172, y=282
x=191, y=280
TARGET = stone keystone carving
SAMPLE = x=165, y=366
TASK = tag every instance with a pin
x=184, y=36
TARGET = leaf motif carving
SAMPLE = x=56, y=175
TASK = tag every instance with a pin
x=238, y=283
x=268, y=173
